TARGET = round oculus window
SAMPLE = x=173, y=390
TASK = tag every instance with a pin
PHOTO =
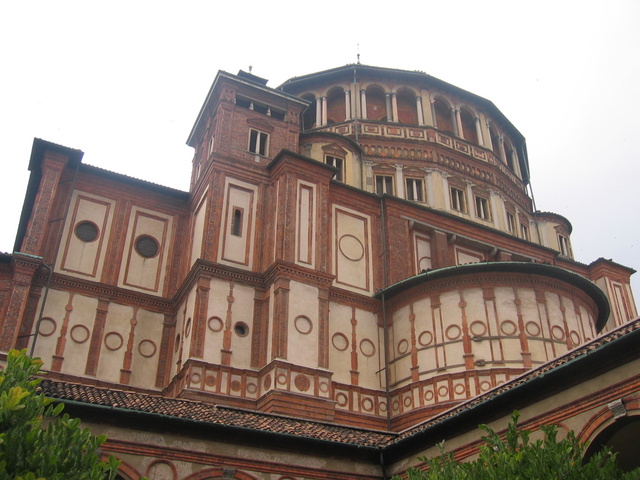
x=147, y=246
x=87, y=231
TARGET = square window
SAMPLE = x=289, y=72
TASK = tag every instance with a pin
x=258, y=142
x=458, y=200
x=338, y=163
x=415, y=189
x=384, y=184
x=482, y=208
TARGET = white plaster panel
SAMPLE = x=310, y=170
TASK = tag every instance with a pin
x=137, y=272
x=114, y=343
x=80, y=258
x=199, y=218
x=306, y=224
x=339, y=331
x=237, y=250
x=351, y=249
x=302, y=346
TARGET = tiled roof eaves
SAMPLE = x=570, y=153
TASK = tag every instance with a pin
x=154, y=408
x=576, y=365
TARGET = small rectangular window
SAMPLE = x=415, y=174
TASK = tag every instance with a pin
x=482, y=208
x=414, y=189
x=236, y=222
x=384, y=184
x=258, y=142
x=458, y=200
x=338, y=163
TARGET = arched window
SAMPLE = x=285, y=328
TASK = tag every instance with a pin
x=511, y=156
x=442, y=111
x=309, y=115
x=376, y=104
x=469, y=131
x=407, y=112
x=336, y=111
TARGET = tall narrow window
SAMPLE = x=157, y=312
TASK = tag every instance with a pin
x=384, y=184
x=338, y=163
x=511, y=223
x=211, y=144
x=482, y=208
x=458, y=200
x=565, y=246
x=258, y=142
x=236, y=222
x=524, y=231
x=414, y=189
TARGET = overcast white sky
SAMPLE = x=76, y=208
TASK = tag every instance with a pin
x=124, y=81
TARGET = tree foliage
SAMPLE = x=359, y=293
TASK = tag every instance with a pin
x=36, y=440
x=515, y=457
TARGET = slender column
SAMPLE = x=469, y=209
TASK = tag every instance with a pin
x=394, y=107
x=363, y=104
x=503, y=154
x=479, y=131
x=433, y=113
x=347, y=105
x=419, y=110
x=399, y=181
x=368, y=173
x=489, y=143
x=471, y=201
x=454, y=121
x=431, y=197
x=324, y=110
x=459, y=122
x=318, y=111
x=387, y=100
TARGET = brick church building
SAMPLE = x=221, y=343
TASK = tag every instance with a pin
x=356, y=273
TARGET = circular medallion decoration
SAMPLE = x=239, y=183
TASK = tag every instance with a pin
x=575, y=338
x=484, y=386
x=303, y=324
x=323, y=387
x=215, y=324
x=342, y=400
x=428, y=395
x=87, y=231
x=351, y=247
x=459, y=389
x=443, y=391
x=367, y=404
x=79, y=333
x=557, y=332
x=241, y=329
x=453, y=332
x=147, y=348
x=340, y=342
x=47, y=326
x=281, y=379
x=403, y=346
x=382, y=406
x=425, y=338
x=302, y=383
x=508, y=327
x=235, y=386
x=147, y=246
x=395, y=406
x=533, y=329
x=478, y=328
x=252, y=388
x=367, y=347
x=408, y=401
x=267, y=382
x=113, y=341
x=187, y=328
x=195, y=378
x=210, y=380
x=177, y=346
